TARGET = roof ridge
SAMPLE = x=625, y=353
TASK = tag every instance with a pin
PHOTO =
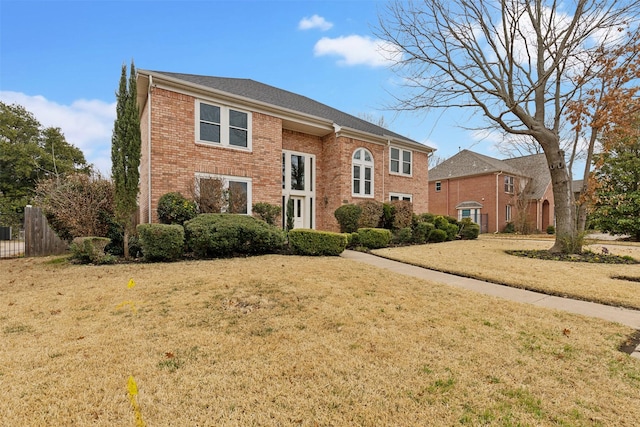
x=277, y=97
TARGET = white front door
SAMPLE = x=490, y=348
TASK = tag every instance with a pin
x=298, y=186
x=298, y=211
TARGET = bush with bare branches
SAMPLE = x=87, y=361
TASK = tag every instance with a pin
x=77, y=205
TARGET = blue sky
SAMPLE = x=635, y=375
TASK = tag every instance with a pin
x=61, y=60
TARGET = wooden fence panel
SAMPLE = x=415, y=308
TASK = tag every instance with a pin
x=39, y=238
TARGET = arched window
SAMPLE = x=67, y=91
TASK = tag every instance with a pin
x=362, y=170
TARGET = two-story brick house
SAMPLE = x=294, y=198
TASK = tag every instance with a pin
x=493, y=192
x=268, y=145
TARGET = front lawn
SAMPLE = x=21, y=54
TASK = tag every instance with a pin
x=486, y=259
x=285, y=340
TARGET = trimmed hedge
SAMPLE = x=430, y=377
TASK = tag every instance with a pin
x=90, y=250
x=348, y=217
x=174, y=208
x=220, y=235
x=421, y=231
x=469, y=230
x=161, y=242
x=312, y=242
x=403, y=236
x=267, y=212
x=374, y=238
x=437, y=236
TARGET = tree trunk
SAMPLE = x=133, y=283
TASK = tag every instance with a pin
x=126, y=242
x=567, y=236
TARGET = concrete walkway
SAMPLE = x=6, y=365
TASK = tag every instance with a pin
x=623, y=316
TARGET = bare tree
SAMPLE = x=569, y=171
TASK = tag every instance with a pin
x=519, y=62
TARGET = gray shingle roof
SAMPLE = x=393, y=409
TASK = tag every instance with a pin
x=271, y=95
x=469, y=163
x=534, y=166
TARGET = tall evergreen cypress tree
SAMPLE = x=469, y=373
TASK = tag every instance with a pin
x=125, y=153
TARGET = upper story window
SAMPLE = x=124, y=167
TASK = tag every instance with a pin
x=362, y=162
x=508, y=184
x=438, y=185
x=400, y=162
x=221, y=125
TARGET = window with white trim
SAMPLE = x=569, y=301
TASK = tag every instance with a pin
x=222, y=125
x=362, y=173
x=507, y=213
x=473, y=214
x=508, y=184
x=223, y=194
x=400, y=161
x=438, y=186
x=400, y=196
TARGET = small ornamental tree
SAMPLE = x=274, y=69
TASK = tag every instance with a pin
x=125, y=153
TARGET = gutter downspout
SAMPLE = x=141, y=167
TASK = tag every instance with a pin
x=384, y=171
x=149, y=145
x=497, y=203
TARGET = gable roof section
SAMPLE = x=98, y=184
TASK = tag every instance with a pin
x=270, y=95
x=534, y=166
x=469, y=163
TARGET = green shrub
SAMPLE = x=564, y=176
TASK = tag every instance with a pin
x=437, y=236
x=374, y=238
x=440, y=222
x=469, y=230
x=451, y=220
x=312, y=242
x=353, y=239
x=452, y=231
x=116, y=246
x=425, y=217
x=421, y=231
x=509, y=228
x=402, y=214
x=174, y=208
x=551, y=229
x=267, y=212
x=388, y=212
x=403, y=236
x=289, y=217
x=219, y=235
x=348, y=217
x=161, y=242
x=370, y=214
x=90, y=250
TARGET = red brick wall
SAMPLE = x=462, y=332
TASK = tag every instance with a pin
x=176, y=158
x=482, y=189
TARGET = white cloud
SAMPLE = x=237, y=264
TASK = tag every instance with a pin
x=87, y=124
x=314, y=22
x=358, y=50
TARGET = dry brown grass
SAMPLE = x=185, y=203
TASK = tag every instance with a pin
x=485, y=258
x=280, y=340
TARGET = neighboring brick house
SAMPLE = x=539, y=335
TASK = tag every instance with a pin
x=493, y=192
x=268, y=145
